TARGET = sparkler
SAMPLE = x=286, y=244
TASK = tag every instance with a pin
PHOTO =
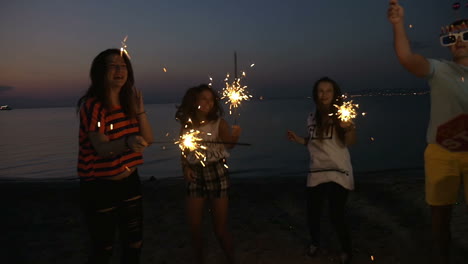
x=123, y=47
x=347, y=110
x=235, y=93
x=190, y=141
x=211, y=81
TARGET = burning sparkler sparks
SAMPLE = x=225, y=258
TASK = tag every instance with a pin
x=123, y=47
x=190, y=141
x=347, y=111
x=235, y=93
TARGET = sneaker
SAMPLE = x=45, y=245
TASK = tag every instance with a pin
x=312, y=250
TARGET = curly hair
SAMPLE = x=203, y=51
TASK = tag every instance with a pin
x=188, y=108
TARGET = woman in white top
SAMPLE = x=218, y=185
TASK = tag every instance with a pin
x=331, y=175
x=207, y=178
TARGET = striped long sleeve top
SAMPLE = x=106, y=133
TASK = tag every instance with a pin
x=94, y=117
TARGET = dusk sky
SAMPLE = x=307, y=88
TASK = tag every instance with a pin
x=48, y=46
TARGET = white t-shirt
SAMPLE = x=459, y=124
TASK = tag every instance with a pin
x=214, y=151
x=449, y=94
x=329, y=158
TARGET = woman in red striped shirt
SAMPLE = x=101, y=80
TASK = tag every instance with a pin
x=114, y=131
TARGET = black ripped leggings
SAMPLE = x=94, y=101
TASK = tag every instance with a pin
x=106, y=208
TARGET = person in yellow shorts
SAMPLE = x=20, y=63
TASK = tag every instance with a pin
x=445, y=172
x=446, y=156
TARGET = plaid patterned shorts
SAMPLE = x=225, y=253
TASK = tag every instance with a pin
x=212, y=181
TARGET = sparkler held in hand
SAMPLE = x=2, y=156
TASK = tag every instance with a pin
x=347, y=111
x=191, y=142
x=234, y=92
x=123, y=47
x=200, y=115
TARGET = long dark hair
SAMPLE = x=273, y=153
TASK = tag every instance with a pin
x=328, y=110
x=99, y=90
x=188, y=108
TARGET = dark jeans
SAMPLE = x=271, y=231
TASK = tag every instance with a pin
x=337, y=197
x=106, y=210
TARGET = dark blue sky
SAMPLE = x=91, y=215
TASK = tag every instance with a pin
x=47, y=46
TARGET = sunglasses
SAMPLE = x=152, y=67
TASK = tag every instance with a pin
x=451, y=38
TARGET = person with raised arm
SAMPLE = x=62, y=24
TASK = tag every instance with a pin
x=446, y=155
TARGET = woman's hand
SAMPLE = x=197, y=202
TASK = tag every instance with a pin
x=350, y=132
x=292, y=136
x=236, y=131
x=136, y=143
x=189, y=174
x=228, y=135
x=346, y=125
x=395, y=12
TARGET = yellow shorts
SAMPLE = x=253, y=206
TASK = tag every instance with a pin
x=445, y=171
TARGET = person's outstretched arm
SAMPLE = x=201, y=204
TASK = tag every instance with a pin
x=295, y=138
x=350, y=133
x=414, y=63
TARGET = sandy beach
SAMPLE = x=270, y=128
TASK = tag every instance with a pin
x=42, y=222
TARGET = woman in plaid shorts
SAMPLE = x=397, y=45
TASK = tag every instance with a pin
x=207, y=178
